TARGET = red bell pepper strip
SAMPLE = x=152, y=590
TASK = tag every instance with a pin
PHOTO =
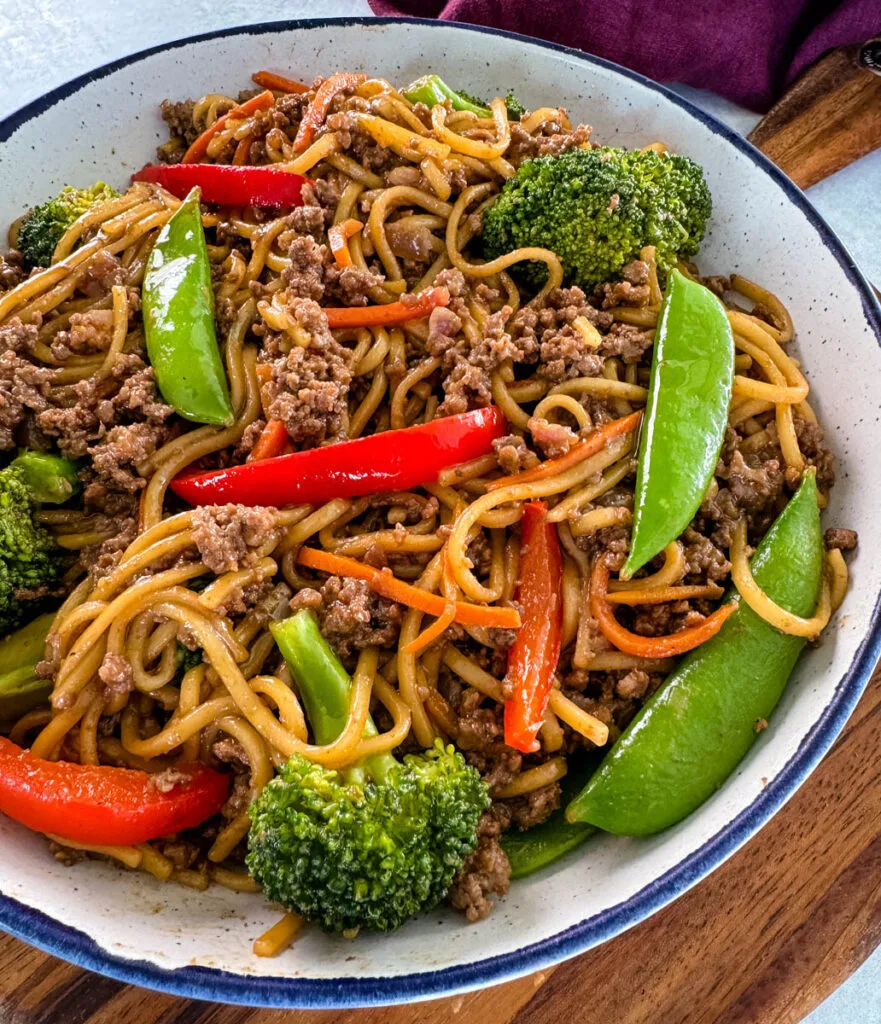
x=393, y=460
x=262, y=101
x=316, y=112
x=278, y=83
x=392, y=313
x=533, y=657
x=272, y=442
x=102, y=805
x=228, y=185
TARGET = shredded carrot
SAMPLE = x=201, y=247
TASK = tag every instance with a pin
x=316, y=112
x=441, y=623
x=278, y=83
x=338, y=236
x=272, y=441
x=577, y=453
x=243, y=151
x=648, y=646
x=659, y=595
x=381, y=581
x=391, y=313
x=262, y=101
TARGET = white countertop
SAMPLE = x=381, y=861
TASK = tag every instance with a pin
x=44, y=43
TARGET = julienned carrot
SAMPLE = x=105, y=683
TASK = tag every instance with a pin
x=391, y=313
x=648, y=646
x=278, y=83
x=338, y=236
x=441, y=623
x=316, y=112
x=243, y=151
x=577, y=453
x=272, y=441
x=660, y=595
x=381, y=581
x=262, y=101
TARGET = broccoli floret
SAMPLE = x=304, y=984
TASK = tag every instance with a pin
x=43, y=226
x=30, y=560
x=432, y=89
x=516, y=109
x=365, y=855
x=51, y=478
x=186, y=659
x=596, y=208
x=370, y=846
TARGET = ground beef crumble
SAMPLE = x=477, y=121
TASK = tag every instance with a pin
x=486, y=872
x=166, y=781
x=353, y=617
x=308, y=389
x=12, y=270
x=226, y=535
x=513, y=454
x=116, y=674
x=843, y=540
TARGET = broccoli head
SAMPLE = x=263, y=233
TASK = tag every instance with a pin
x=365, y=854
x=43, y=226
x=30, y=560
x=596, y=208
x=370, y=846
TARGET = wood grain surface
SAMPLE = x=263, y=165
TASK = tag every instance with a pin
x=761, y=941
x=830, y=116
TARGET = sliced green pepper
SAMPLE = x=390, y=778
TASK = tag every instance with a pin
x=685, y=418
x=545, y=844
x=20, y=690
x=178, y=307
x=693, y=732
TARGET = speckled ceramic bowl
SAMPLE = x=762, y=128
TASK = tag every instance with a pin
x=104, y=125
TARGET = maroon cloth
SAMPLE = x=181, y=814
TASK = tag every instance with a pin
x=747, y=51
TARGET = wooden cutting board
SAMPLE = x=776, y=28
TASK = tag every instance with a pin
x=761, y=941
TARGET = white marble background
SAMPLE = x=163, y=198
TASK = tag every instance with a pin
x=44, y=43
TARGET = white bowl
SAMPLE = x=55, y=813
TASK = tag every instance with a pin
x=129, y=926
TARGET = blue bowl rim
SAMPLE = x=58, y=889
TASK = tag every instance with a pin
x=74, y=946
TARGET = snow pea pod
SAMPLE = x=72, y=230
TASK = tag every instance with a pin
x=178, y=308
x=685, y=417
x=545, y=844
x=692, y=733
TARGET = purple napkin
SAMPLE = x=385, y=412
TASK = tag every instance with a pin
x=747, y=51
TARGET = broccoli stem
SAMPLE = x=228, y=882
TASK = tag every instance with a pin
x=325, y=688
x=20, y=689
x=431, y=89
x=51, y=478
